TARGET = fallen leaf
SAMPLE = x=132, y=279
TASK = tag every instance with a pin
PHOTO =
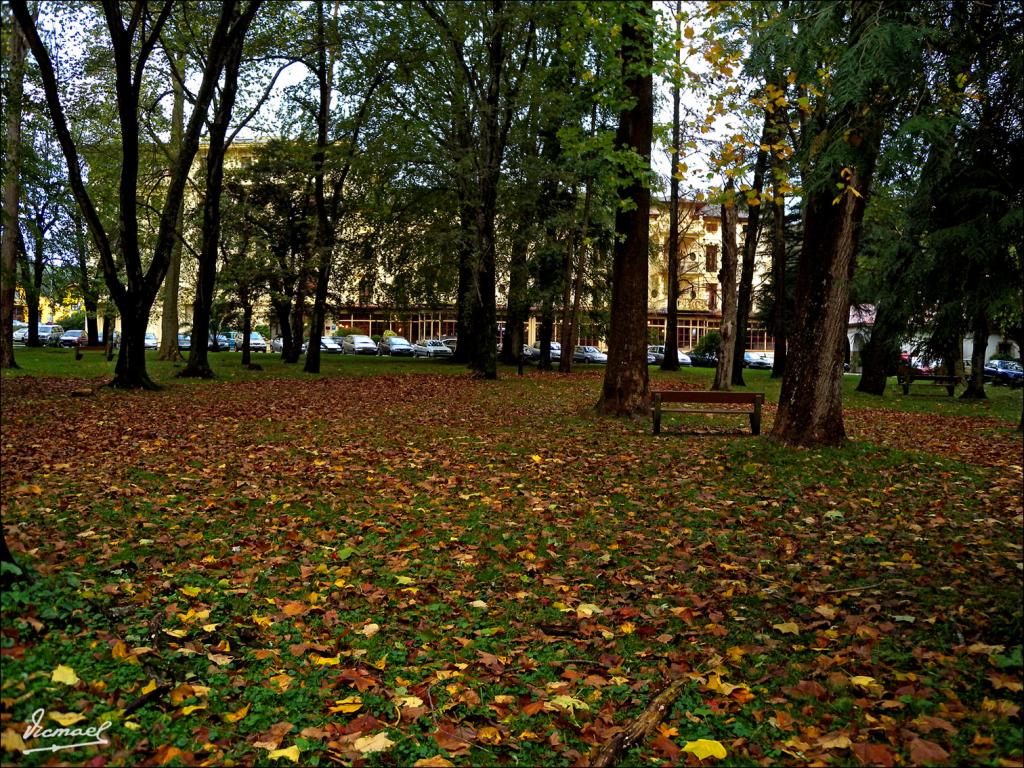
x=64, y=674
x=705, y=748
x=376, y=743
x=789, y=628
x=66, y=718
x=433, y=762
x=238, y=714
x=292, y=753
x=923, y=752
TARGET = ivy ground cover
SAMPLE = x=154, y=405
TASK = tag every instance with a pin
x=406, y=566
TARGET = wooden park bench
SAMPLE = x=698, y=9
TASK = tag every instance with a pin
x=905, y=375
x=708, y=402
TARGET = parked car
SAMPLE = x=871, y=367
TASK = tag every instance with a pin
x=586, y=354
x=114, y=336
x=530, y=353
x=21, y=335
x=1004, y=372
x=395, y=346
x=450, y=341
x=184, y=342
x=658, y=350
x=556, y=351
x=431, y=348
x=256, y=342
x=74, y=339
x=704, y=361
x=328, y=346
x=757, y=361
x=150, y=341
x=220, y=343
x=356, y=344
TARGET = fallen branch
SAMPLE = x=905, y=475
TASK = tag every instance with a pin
x=640, y=728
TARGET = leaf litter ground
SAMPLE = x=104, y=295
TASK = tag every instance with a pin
x=434, y=570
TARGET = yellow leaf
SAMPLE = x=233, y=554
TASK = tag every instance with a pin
x=862, y=681
x=404, y=580
x=347, y=705
x=292, y=753
x=381, y=663
x=262, y=621
x=327, y=660
x=835, y=741
x=378, y=743
x=715, y=684
x=66, y=718
x=537, y=459
x=119, y=650
x=370, y=630
x=192, y=708
x=150, y=686
x=11, y=741
x=705, y=748
x=789, y=628
x=219, y=659
x=190, y=591
x=210, y=627
x=282, y=681
x=64, y=674
x=489, y=735
x=238, y=714
x=176, y=632
x=586, y=610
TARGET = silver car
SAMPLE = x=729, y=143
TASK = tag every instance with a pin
x=431, y=348
x=356, y=344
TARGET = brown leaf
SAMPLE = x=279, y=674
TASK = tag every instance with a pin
x=924, y=752
x=873, y=754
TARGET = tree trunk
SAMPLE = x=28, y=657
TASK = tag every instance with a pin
x=565, y=336
x=199, y=356
x=172, y=280
x=744, y=299
x=9, y=216
x=518, y=309
x=810, y=406
x=464, y=295
x=670, y=361
x=89, y=293
x=976, y=382
x=882, y=348
x=727, y=283
x=625, y=390
x=130, y=369
x=247, y=329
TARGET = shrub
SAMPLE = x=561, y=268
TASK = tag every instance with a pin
x=708, y=344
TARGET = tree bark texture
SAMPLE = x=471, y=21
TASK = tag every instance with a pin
x=780, y=317
x=727, y=284
x=810, y=405
x=625, y=390
x=17, y=54
x=879, y=354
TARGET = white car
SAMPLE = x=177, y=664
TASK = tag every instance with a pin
x=431, y=348
x=150, y=341
x=256, y=342
x=358, y=345
x=658, y=350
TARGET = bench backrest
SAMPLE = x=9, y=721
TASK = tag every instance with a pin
x=743, y=398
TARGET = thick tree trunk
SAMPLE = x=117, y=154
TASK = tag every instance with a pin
x=810, y=405
x=9, y=215
x=727, y=283
x=976, y=382
x=130, y=369
x=465, y=290
x=247, y=329
x=565, y=335
x=89, y=293
x=625, y=390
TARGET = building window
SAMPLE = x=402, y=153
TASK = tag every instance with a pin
x=711, y=258
x=711, y=226
x=713, y=298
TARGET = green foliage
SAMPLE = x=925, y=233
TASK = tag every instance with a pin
x=72, y=322
x=708, y=343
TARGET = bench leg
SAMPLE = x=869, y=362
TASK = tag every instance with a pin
x=656, y=416
x=755, y=420
x=950, y=388
x=906, y=388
